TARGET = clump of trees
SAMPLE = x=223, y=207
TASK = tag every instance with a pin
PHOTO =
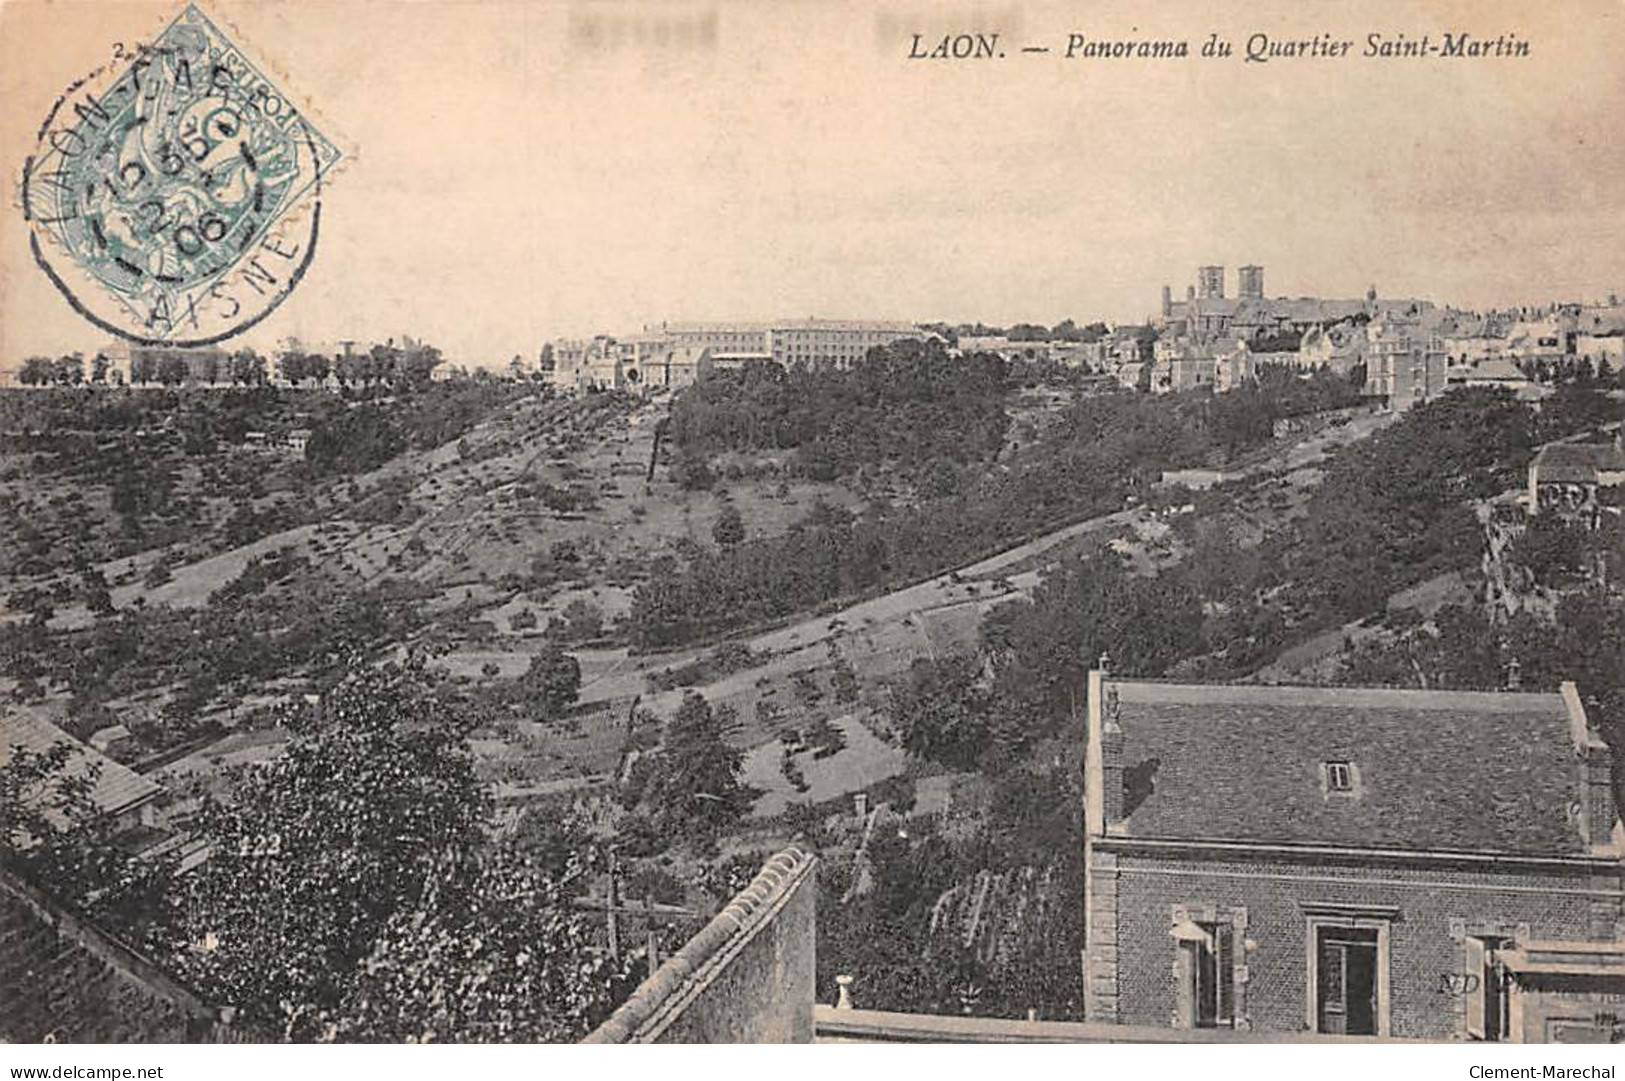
x=689, y=787
x=907, y=953
x=354, y=441
x=729, y=528
x=1100, y=451
x=1460, y=648
x=1554, y=552
x=551, y=681
x=63, y=371
x=985, y=711
x=905, y=402
x=1398, y=509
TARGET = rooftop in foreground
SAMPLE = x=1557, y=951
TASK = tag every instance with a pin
x=1442, y=771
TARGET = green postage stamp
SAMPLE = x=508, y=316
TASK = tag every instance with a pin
x=174, y=194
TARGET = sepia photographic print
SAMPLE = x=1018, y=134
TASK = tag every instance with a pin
x=963, y=522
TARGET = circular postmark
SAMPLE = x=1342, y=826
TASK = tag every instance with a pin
x=174, y=194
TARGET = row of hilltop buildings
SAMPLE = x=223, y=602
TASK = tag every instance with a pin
x=1401, y=350
x=675, y=355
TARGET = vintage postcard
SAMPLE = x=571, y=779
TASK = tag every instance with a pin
x=615, y=521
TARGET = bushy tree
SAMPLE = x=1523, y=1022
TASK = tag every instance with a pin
x=353, y=893
x=552, y=680
x=70, y=370
x=1576, y=407
x=943, y=712
x=354, y=441
x=1552, y=550
x=509, y=961
x=729, y=529
x=37, y=372
x=583, y=620
x=691, y=786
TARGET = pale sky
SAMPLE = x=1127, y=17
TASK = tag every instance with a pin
x=525, y=170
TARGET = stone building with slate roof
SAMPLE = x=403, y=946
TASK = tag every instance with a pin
x=123, y=798
x=1351, y=861
x=1575, y=480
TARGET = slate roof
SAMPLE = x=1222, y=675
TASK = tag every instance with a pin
x=1300, y=310
x=117, y=788
x=1604, y=320
x=1342, y=337
x=1498, y=369
x=1455, y=324
x=1437, y=771
x=1577, y=462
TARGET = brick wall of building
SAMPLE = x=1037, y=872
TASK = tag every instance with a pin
x=1433, y=909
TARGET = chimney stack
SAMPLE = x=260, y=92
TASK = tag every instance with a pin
x=1597, y=810
x=1594, y=784
x=1167, y=301
x=1111, y=760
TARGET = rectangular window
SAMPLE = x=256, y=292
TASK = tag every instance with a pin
x=1205, y=972
x=1339, y=777
x=1483, y=986
x=1215, y=978
x=1346, y=987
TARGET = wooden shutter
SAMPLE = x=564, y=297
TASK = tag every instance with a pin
x=1187, y=963
x=1224, y=956
x=1330, y=1007
x=1472, y=985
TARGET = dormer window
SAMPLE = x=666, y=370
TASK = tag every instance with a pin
x=1339, y=776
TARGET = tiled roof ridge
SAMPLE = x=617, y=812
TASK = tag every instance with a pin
x=1599, y=454
x=1353, y=697
x=123, y=959
x=116, y=787
x=844, y=324
x=661, y=996
x=705, y=325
